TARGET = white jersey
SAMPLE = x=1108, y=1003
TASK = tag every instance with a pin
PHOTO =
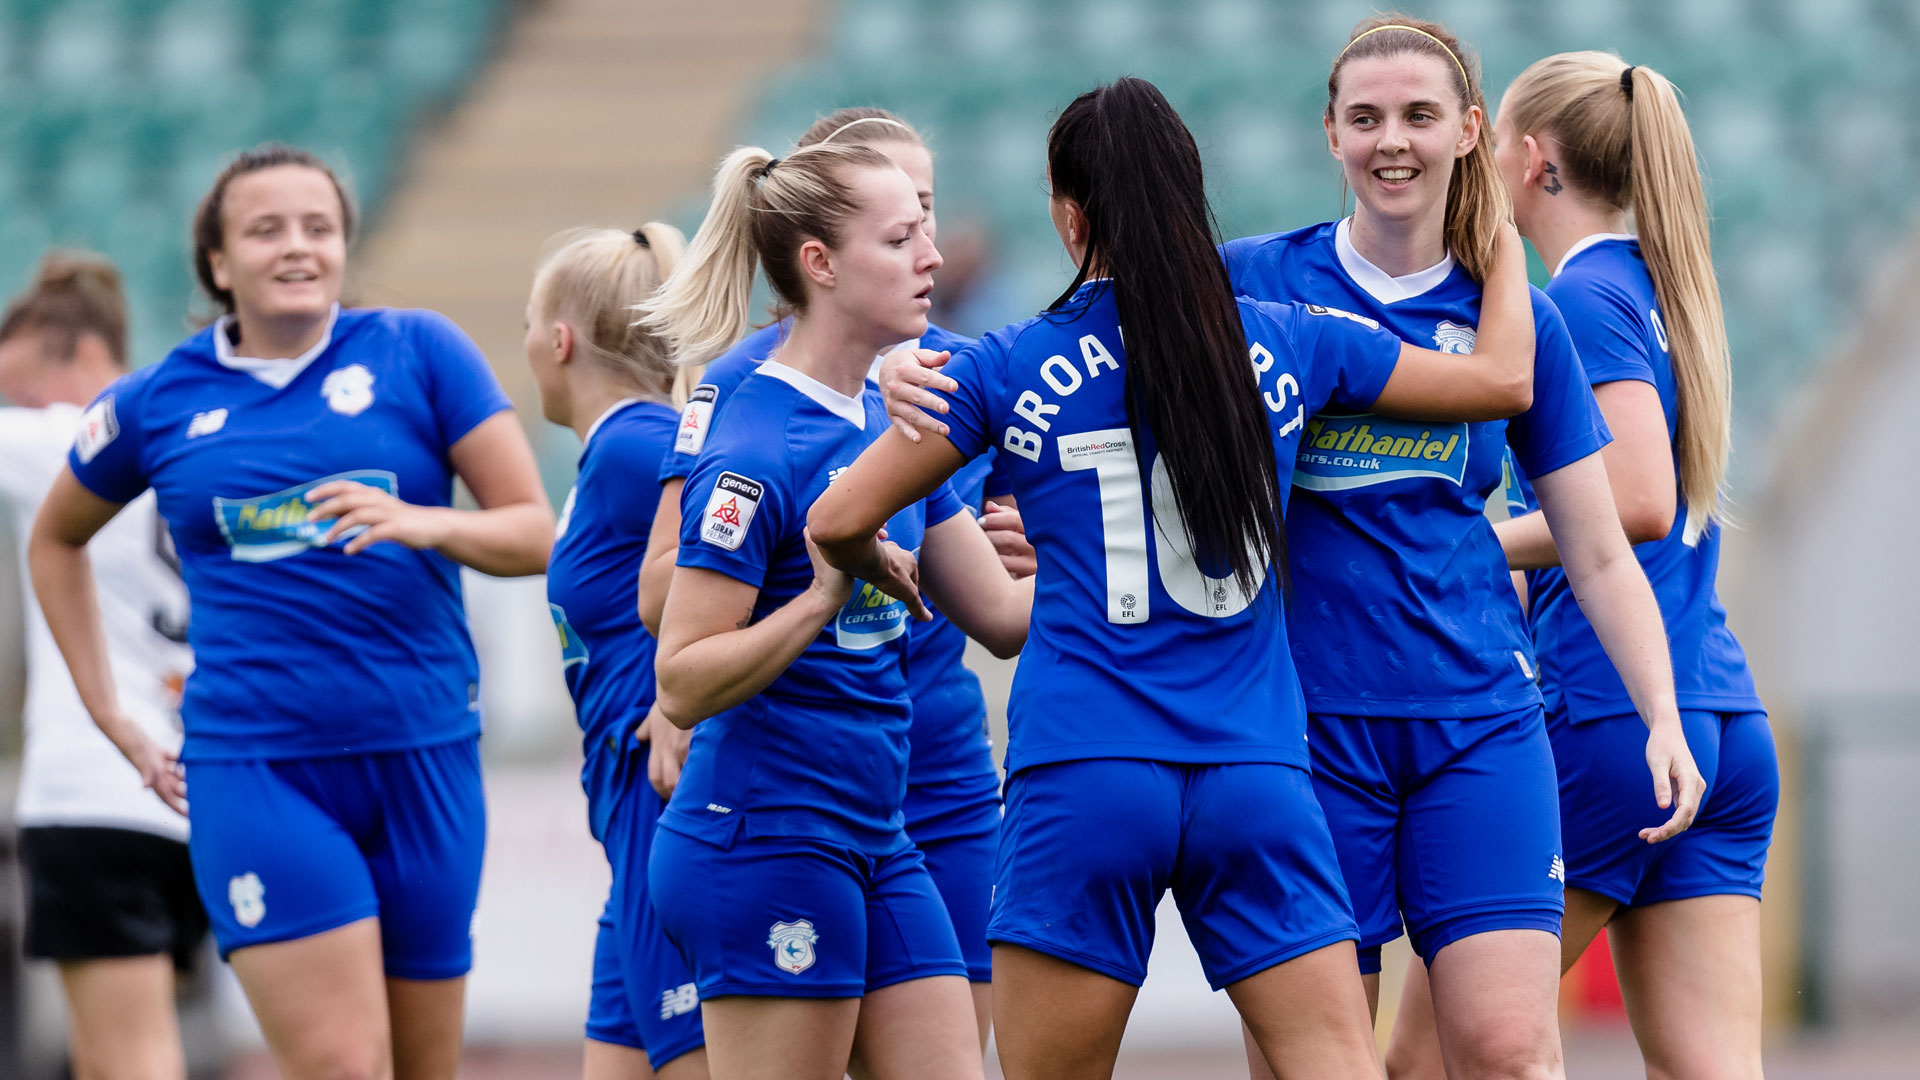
x=70, y=773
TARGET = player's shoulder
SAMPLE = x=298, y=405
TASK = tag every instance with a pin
x=728, y=370
x=1279, y=248
x=1610, y=274
x=941, y=339
x=425, y=332
x=637, y=429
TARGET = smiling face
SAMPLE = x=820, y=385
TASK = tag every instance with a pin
x=283, y=244
x=1397, y=128
x=881, y=271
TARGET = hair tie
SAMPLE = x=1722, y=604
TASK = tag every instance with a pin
x=1444, y=47
x=767, y=169
x=1626, y=82
x=640, y=237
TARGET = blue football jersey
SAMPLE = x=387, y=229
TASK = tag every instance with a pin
x=949, y=710
x=822, y=751
x=1404, y=606
x=300, y=649
x=592, y=575
x=1607, y=297
x=1135, y=651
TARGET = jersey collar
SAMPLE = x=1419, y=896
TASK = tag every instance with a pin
x=275, y=372
x=1381, y=285
x=1586, y=242
x=846, y=408
x=606, y=416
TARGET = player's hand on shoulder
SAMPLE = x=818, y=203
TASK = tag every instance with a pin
x=908, y=378
x=379, y=516
x=1009, y=535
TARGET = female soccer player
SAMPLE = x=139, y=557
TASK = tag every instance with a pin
x=953, y=788
x=1430, y=750
x=612, y=383
x=1585, y=141
x=304, y=456
x=782, y=870
x=109, y=891
x=1158, y=736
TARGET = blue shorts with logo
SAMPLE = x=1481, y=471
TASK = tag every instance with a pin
x=1089, y=846
x=794, y=916
x=1606, y=798
x=1451, y=825
x=285, y=849
x=643, y=995
x=956, y=825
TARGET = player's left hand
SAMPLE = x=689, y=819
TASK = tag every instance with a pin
x=1009, y=535
x=667, y=748
x=354, y=505
x=1677, y=782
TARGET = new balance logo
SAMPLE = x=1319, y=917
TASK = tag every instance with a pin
x=1557, y=870
x=206, y=423
x=679, y=1001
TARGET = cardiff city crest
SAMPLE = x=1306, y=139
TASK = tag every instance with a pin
x=793, y=945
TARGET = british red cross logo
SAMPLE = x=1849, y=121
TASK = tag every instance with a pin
x=729, y=513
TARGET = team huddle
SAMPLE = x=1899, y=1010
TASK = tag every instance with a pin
x=1226, y=502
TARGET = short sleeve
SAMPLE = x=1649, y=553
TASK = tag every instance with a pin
x=1345, y=359
x=944, y=503
x=703, y=406
x=107, y=456
x=1603, y=318
x=463, y=387
x=980, y=370
x=1564, y=424
x=735, y=510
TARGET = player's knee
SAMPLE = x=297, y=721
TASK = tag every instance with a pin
x=1701, y=1061
x=1406, y=1061
x=369, y=1060
x=1511, y=1049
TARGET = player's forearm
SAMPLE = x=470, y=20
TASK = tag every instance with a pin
x=504, y=541
x=1527, y=542
x=63, y=583
x=1505, y=339
x=700, y=678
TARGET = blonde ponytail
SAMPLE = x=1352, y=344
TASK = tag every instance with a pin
x=1670, y=215
x=1624, y=142
x=702, y=308
x=592, y=281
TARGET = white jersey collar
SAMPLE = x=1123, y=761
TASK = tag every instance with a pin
x=1381, y=285
x=275, y=372
x=846, y=408
x=1586, y=242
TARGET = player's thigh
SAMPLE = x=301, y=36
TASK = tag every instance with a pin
x=643, y=992
x=425, y=1016
x=1587, y=914
x=1308, y=1015
x=322, y=1002
x=1355, y=786
x=121, y=1021
x=1413, y=1049
x=1054, y=1019
x=770, y=1038
x=1086, y=851
x=919, y=1028
x=1690, y=975
x=613, y=1061
x=958, y=830
x=1257, y=879
x=427, y=871
x=1495, y=996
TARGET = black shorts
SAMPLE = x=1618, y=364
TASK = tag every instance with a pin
x=94, y=893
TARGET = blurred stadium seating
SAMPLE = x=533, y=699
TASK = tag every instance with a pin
x=1797, y=105
x=115, y=115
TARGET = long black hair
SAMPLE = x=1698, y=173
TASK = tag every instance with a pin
x=1125, y=156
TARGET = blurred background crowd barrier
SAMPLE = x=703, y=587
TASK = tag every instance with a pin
x=470, y=130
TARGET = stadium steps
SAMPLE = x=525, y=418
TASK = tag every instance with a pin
x=594, y=112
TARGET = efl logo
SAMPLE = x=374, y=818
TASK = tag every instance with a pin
x=730, y=511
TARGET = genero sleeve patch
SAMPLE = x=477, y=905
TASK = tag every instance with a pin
x=98, y=427
x=730, y=511
x=695, y=420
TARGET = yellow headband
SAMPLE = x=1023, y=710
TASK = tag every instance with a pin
x=1451, y=55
